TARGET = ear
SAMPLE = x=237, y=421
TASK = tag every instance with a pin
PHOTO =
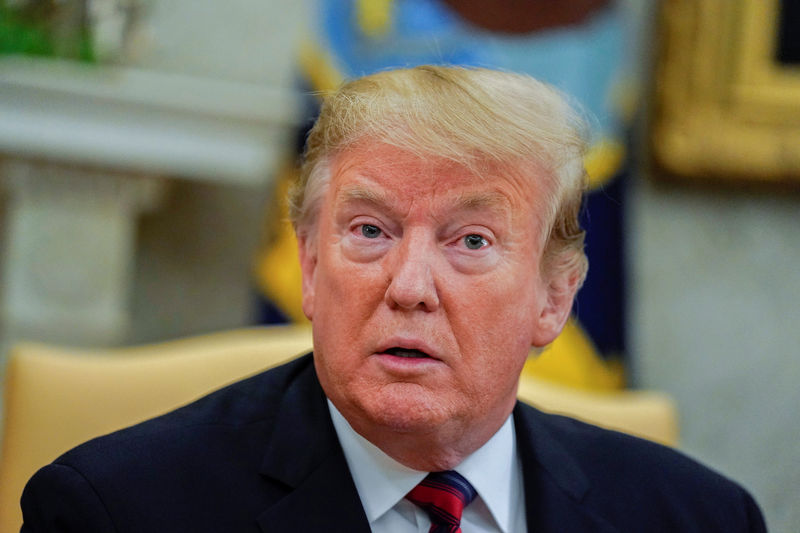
x=307, y=251
x=560, y=293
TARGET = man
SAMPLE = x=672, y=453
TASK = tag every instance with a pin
x=438, y=237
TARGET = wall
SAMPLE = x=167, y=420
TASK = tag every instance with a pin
x=193, y=270
x=714, y=305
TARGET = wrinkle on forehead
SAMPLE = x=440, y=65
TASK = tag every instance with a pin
x=477, y=201
x=380, y=165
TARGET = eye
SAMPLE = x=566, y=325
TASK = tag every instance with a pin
x=370, y=232
x=474, y=241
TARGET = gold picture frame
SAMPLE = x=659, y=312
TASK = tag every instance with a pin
x=724, y=107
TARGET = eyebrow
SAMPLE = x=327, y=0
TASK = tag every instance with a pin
x=360, y=194
x=484, y=200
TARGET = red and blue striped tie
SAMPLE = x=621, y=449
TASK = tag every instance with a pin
x=443, y=495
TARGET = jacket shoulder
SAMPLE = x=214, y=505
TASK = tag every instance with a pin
x=635, y=482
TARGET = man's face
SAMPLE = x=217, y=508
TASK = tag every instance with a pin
x=423, y=285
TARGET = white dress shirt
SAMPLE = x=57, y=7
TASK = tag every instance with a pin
x=382, y=484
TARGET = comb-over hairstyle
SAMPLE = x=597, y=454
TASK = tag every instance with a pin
x=479, y=118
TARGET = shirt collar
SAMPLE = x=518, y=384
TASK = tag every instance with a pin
x=495, y=472
x=493, y=469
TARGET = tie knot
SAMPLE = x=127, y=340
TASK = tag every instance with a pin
x=443, y=495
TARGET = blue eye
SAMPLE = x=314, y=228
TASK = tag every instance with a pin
x=370, y=232
x=475, y=242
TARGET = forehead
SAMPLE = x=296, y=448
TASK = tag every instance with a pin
x=388, y=176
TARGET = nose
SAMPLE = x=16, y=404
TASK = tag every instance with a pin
x=412, y=283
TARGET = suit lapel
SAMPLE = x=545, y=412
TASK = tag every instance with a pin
x=322, y=502
x=555, y=484
x=304, y=454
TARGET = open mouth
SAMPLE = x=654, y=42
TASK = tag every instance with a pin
x=407, y=352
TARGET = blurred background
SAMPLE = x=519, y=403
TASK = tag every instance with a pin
x=146, y=145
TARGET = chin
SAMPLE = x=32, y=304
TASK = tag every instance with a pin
x=405, y=408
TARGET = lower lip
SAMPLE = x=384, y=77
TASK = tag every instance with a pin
x=407, y=364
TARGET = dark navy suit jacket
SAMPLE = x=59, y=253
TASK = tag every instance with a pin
x=262, y=455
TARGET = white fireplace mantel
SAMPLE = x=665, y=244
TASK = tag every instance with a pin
x=84, y=150
x=143, y=121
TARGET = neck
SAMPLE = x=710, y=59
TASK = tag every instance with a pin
x=442, y=448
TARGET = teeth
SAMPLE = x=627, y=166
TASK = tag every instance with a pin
x=403, y=352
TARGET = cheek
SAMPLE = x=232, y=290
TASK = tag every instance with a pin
x=505, y=298
x=497, y=317
x=347, y=287
x=346, y=297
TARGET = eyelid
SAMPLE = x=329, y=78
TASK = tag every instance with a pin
x=356, y=226
x=358, y=222
x=484, y=244
x=481, y=237
x=482, y=232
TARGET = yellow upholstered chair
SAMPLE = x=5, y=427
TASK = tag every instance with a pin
x=57, y=398
x=648, y=414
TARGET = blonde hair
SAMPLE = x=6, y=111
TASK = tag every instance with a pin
x=476, y=117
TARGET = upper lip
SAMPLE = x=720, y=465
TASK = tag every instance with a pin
x=408, y=344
